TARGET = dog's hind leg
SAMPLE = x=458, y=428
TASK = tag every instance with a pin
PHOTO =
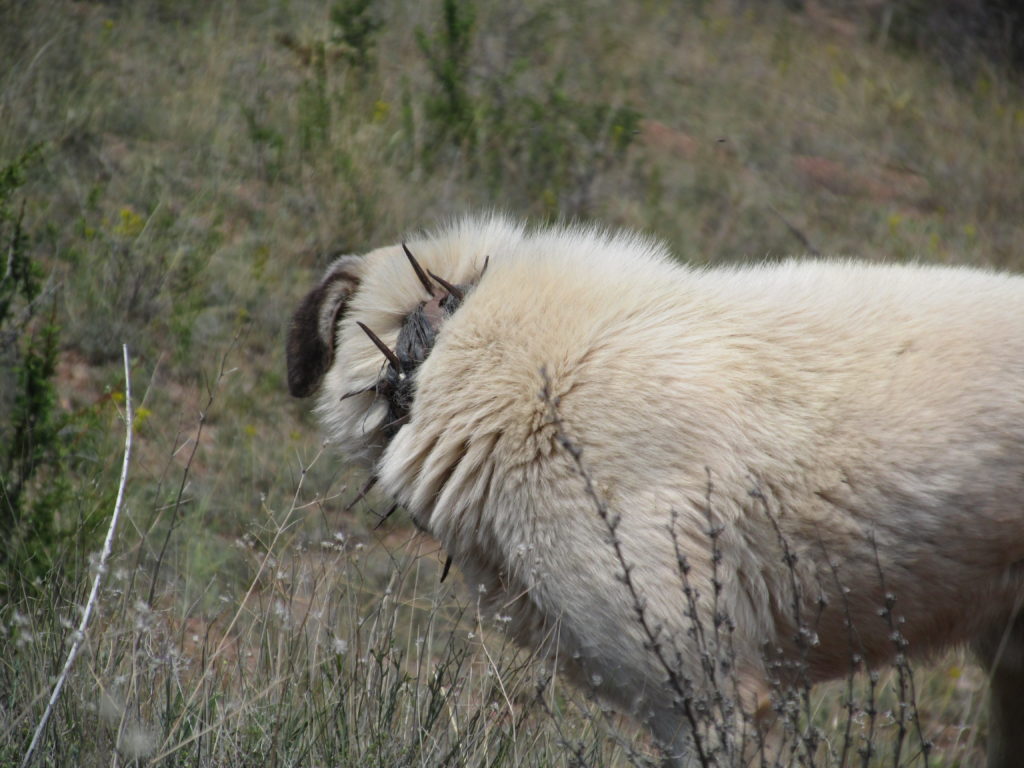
x=1002, y=652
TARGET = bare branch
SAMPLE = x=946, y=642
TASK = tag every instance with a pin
x=101, y=568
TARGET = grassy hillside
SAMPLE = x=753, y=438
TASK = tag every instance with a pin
x=175, y=173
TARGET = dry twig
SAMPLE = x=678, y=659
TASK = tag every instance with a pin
x=101, y=568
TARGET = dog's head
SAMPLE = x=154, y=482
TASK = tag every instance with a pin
x=359, y=336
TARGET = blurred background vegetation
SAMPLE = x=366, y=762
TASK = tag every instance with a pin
x=175, y=173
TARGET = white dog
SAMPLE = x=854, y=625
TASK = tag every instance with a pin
x=817, y=464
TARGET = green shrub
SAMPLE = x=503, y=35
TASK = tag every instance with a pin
x=41, y=445
x=449, y=110
x=355, y=30
x=31, y=486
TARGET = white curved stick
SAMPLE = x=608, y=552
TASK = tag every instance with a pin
x=101, y=568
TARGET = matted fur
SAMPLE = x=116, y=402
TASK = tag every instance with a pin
x=867, y=420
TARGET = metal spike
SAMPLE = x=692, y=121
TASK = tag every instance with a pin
x=452, y=289
x=419, y=270
x=401, y=421
x=386, y=515
x=362, y=391
x=391, y=356
x=444, y=571
x=362, y=494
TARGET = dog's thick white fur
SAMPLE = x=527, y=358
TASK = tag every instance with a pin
x=853, y=434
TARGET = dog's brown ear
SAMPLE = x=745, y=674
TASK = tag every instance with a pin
x=314, y=325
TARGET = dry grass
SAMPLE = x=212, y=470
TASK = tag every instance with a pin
x=199, y=164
